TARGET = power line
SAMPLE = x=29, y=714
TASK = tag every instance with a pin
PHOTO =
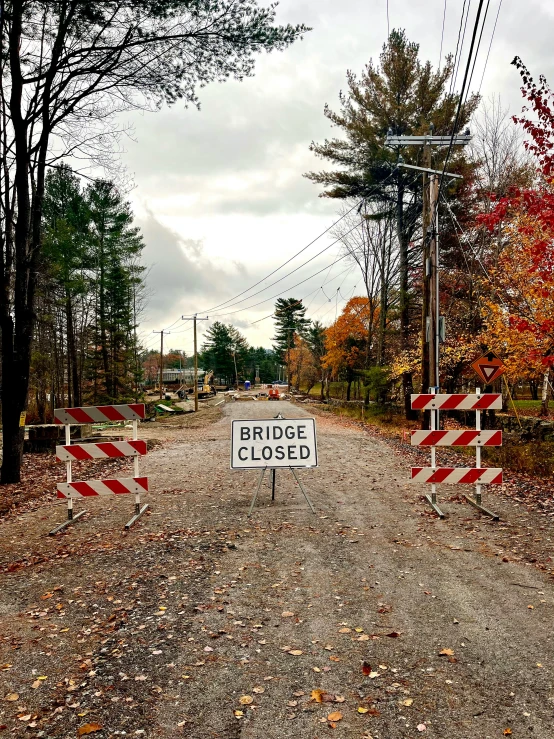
x=489, y=49
x=240, y=310
x=442, y=34
x=230, y=300
x=460, y=101
x=477, y=50
x=456, y=60
x=220, y=305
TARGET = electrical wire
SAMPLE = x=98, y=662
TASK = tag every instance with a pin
x=230, y=300
x=220, y=305
x=442, y=34
x=456, y=60
x=489, y=49
x=460, y=102
x=477, y=50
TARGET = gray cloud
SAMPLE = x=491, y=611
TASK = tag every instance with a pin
x=243, y=154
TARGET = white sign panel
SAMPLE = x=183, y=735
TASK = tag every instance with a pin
x=273, y=442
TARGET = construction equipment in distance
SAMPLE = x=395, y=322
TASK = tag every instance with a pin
x=273, y=393
x=205, y=387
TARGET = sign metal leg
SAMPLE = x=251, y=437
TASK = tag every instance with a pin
x=257, y=491
x=273, y=473
x=302, y=488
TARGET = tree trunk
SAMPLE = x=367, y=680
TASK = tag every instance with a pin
x=545, y=393
x=72, y=351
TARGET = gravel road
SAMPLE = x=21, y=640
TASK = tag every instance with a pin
x=203, y=623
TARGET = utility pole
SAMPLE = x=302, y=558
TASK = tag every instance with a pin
x=195, y=318
x=162, y=332
x=431, y=324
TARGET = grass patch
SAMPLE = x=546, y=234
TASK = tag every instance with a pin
x=531, y=458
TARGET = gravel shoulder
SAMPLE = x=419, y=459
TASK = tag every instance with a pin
x=201, y=622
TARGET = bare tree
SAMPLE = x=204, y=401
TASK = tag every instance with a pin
x=371, y=243
x=68, y=67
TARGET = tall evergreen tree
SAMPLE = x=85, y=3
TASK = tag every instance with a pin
x=115, y=246
x=401, y=95
x=224, y=351
x=290, y=319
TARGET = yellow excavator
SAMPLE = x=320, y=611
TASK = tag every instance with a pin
x=205, y=387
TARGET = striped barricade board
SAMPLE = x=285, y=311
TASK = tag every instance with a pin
x=102, y=450
x=92, y=488
x=460, y=475
x=456, y=438
x=100, y=414
x=70, y=453
x=468, y=402
x=477, y=438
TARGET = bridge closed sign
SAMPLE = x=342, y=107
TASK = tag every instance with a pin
x=272, y=443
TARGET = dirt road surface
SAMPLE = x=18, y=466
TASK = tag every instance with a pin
x=371, y=618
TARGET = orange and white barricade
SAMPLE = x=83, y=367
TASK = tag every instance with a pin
x=477, y=438
x=69, y=453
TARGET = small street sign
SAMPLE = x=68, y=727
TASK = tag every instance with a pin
x=489, y=367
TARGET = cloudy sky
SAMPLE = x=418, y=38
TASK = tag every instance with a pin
x=219, y=192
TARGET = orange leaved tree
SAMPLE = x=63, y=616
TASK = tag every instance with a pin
x=519, y=317
x=347, y=341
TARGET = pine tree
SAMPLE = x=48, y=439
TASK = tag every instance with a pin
x=290, y=319
x=224, y=349
x=115, y=246
x=400, y=95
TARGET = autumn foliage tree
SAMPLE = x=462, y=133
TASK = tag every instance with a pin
x=346, y=340
x=525, y=218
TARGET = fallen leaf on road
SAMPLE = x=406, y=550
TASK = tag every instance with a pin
x=292, y=704
x=24, y=716
x=36, y=684
x=345, y=630
x=246, y=700
x=407, y=702
x=238, y=714
x=12, y=697
x=363, y=637
x=421, y=727
x=295, y=652
x=320, y=696
x=446, y=652
x=507, y=732
x=393, y=634
x=361, y=709
x=287, y=614
x=366, y=667
x=373, y=675
x=88, y=729
x=258, y=690
x=335, y=716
